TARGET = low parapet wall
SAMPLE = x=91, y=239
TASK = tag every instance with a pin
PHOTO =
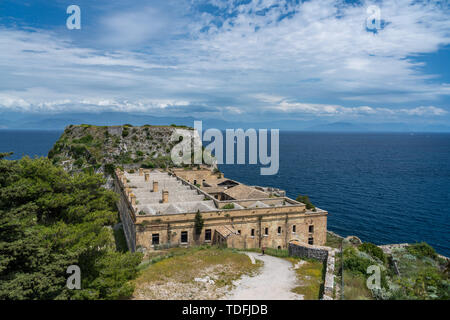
x=321, y=253
x=302, y=250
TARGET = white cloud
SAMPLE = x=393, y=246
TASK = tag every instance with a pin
x=338, y=110
x=246, y=63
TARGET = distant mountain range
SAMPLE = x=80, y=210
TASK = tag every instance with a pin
x=17, y=120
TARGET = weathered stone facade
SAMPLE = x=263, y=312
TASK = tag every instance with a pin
x=247, y=223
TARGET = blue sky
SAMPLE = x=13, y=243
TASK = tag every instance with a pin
x=245, y=60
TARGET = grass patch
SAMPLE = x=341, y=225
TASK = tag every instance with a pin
x=311, y=276
x=182, y=265
x=355, y=287
x=333, y=241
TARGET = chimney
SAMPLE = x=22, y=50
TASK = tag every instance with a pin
x=155, y=186
x=147, y=176
x=165, y=196
x=133, y=199
x=141, y=171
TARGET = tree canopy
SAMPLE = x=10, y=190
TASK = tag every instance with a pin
x=50, y=220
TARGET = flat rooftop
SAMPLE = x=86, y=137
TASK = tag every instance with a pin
x=181, y=198
x=184, y=197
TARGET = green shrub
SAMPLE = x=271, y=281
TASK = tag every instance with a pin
x=354, y=263
x=306, y=201
x=78, y=150
x=84, y=140
x=125, y=133
x=228, y=206
x=148, y=165
x=373, y=251
x=79, y=162
x=109, y=168
x=421, y=250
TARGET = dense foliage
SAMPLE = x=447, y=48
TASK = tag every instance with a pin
x=305, y=199
x=50, y=220
x=422, y=250
x=418, y=273
x=373, y=250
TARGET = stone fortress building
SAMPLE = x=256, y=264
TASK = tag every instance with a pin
x=158, y=210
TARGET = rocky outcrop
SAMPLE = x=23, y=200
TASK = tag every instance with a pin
x=101, y=148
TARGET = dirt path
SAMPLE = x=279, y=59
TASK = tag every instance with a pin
x=274, y=282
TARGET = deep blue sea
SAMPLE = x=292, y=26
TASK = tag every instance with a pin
x=381, y=187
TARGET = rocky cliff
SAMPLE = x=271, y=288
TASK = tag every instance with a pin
x=101, y=148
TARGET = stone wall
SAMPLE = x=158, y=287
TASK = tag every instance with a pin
x=302, y=250
x=126, y=215
x=321, y=253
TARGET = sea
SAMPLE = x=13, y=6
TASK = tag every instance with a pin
x=382, y=187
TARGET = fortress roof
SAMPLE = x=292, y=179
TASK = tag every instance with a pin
x=241, y=192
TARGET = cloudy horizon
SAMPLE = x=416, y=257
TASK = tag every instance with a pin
x=247, y=60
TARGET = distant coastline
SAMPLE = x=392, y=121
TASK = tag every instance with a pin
x=402, y=171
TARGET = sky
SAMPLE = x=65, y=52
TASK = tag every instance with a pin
x=320, y=61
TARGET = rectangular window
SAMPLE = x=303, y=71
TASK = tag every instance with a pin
x=266, y=231
x=184, y=237
x=155, y=238
x=208, y=235
x=294, y=229
x=252, y=233
x=311, y=240
x=311, y=228
x=279, y=230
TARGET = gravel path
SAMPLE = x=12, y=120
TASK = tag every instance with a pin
x=274, y=282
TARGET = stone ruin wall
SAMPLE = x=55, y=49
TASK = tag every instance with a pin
x=321, y=253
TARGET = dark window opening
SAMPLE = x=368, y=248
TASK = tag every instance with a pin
x=294, y=229
x=195, y=181
x=155, y=238
x=279, y=230
x=311, y=228
x=184, y=237
x=253, y=232
x=279, y=247
x=311, y=240
x=208, y=235
x=266, y=231
x=239, y=231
